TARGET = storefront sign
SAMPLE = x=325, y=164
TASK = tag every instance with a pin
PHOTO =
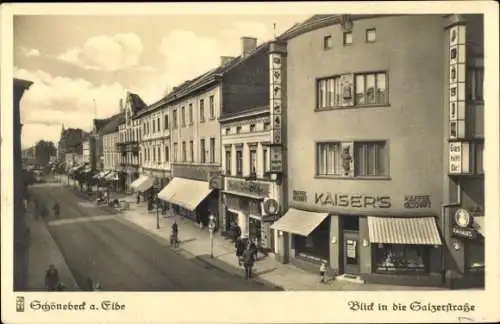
x=248, y=187
x=352, y=201
x=246, y=205
x=276, y=163
x=455, y=158
x=463, y=225
x=467, y=233
x=194, y=172
x=421, y=201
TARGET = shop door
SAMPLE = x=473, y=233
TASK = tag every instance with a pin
x=351, y=253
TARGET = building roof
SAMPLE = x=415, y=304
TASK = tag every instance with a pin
x=188, y=87
x=112, y=126
x=244, y=114
x=100, y=123
x=136, y=102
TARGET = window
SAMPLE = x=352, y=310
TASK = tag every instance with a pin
x=212, y=107
x=392, y=258
x=478, y=158
x=239, y=162
x=475, y=256
x=371, y=35
x=167, y=156
x=212, y=150
x=191, y=151
x=329, y=92
x=159, y=154
x=154, y=155
x=252, y=128
x=329, y=159
x=228, y=161
x=175, y=118
x=202, y=110
x=145, y=155
x=175, y=152
x=327, y=42
x=371, y=89
x=228, y=130
x=238, y=129
x=347, y=38
x=475, y=80
x=184, y=155
x=202, y=151
x=165, y=122
x=183, y=117
x=370, y=159
x=265, y=158
x=253, y=162
x=267, y=126
x=154, y=126
x=190, y=114
x=158, y=123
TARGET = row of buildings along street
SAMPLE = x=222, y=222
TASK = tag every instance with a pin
x=351, y=139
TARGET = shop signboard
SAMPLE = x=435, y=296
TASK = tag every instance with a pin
x=462, y=225
x=276, y=163
x=459, y=158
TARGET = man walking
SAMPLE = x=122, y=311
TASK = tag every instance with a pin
x=248, y=260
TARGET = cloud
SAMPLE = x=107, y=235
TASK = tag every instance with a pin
x=53, y=100
x=32, y=52
x=106, y=53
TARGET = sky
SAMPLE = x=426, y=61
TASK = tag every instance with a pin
x=81, y=66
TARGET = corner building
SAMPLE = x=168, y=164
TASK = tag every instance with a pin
x=367, y=152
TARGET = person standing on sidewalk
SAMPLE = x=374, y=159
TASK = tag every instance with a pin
x=52, y=278
x=322, y=271
x=240, y=248
x=248, y=261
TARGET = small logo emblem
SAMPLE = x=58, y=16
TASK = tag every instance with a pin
x=19, y=304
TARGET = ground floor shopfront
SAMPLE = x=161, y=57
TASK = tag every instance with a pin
x=245, y=203
x=376, y=249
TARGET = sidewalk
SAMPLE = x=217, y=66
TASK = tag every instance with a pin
x=267, y=270
x=43, y=251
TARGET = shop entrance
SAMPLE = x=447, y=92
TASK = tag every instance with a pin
x=350, y=244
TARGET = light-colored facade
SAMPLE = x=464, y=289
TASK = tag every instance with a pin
x=246, y=167
x=363, y=153
x=86, y=150
x=111, y=154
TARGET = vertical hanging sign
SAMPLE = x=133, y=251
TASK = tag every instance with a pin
x=457, y=78
x=276, y=108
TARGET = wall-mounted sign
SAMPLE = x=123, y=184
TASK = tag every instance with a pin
x=352, y=201
x=276, y=95
x=456, y=82
x=300, y=196
x=420, y=201
x=463, y=225
x=459, y=155
x=276, y=159
x=347, y=159
x=248, y=187
x=270, y=206
x=462, y=218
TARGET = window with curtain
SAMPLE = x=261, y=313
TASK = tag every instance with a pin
x=371, y=89
x=329, y=93
x=370, y=159
x=329, y=159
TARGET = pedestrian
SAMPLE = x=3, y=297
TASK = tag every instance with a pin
x=51, y=278
x=253, y=246
x=138, y=198
x=322, y=271
x=237, y=232
x=240, y=248
x=248, y=261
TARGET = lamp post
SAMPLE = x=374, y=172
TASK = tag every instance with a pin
x=157, y=212
x=211, y=227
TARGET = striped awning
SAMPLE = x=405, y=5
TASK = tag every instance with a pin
x=404, y=230
x=186, y=193
x=479, y=224
x=299, y=222
x=142, y=183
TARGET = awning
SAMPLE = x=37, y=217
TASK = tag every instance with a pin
x=112, y=176
x=299, y=222
x=142, y=183
x=479, y=224
x=186, y=193
x=243, y=195
x=403, y=230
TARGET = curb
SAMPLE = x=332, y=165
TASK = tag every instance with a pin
x=255, y=279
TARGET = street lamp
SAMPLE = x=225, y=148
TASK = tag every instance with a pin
x=157, y=212
x=211, y=227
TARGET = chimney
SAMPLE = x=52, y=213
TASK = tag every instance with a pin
x=248, y=45
x=225, y=59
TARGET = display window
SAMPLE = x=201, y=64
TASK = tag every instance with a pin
x=392, y=258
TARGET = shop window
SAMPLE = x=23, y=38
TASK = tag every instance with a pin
x=227, y=162
x=316, y=246
x=190, y=114
x=329, y=159
x=239, y=163
x=371, y=35
x=370, y=159
x=474, y=253
x=183, y=117
x=393, y=258
x=327, y=42
x=475, y=80
x=347, y=38
x=202, y=110
x=371, y=89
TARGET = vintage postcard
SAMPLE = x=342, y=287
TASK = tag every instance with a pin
x=332, y=162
